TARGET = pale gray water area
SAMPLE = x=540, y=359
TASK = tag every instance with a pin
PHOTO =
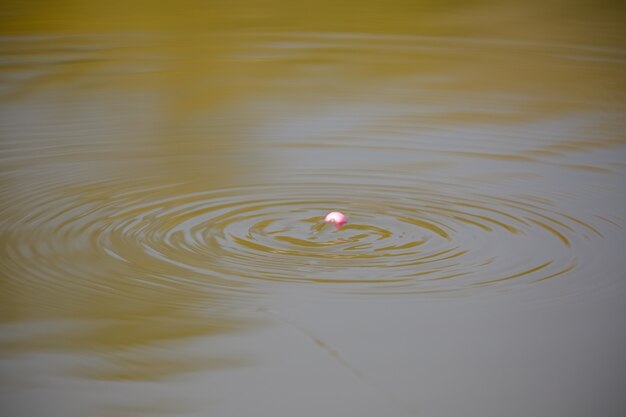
x=165, y=175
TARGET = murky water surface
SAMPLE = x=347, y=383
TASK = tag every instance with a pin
x=165, y=174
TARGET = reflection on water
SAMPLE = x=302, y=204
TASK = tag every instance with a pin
x=400, y=239
x=163, y=191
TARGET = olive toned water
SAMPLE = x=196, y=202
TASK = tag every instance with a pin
x=165, y=173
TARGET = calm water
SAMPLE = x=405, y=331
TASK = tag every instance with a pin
x=165, y=173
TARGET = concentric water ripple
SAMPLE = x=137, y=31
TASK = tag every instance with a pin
x=398, y=239
x=398, y=144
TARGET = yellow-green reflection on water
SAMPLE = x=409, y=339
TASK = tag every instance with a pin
x=165, y=167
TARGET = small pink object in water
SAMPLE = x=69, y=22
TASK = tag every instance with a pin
x=336, y=218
